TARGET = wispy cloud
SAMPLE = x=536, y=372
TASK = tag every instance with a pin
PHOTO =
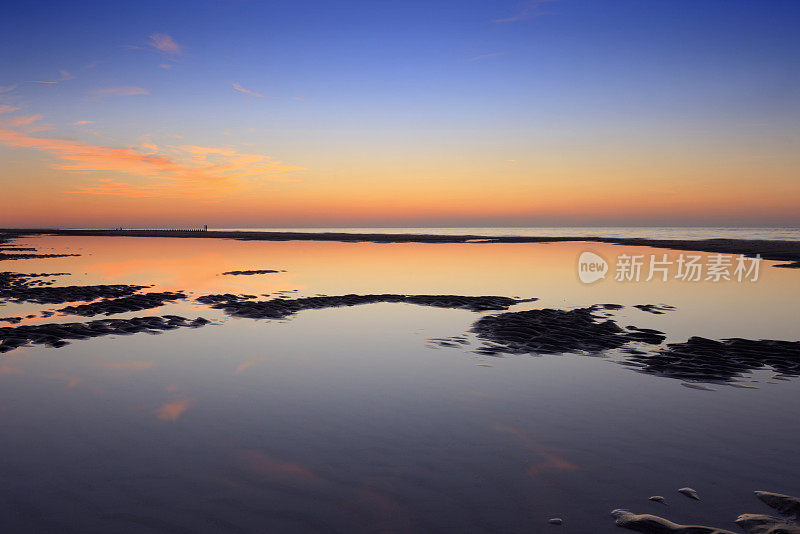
x=163, y=44
x=246, y=91
x=186, y=171
x=8, y=109
x=122, y=91
x=82, y=123
x=487, y=56
x=528, y=10
x=64, y=75
x=7, y=88
x=20, y=120
x=24, y=124
x=166, y=44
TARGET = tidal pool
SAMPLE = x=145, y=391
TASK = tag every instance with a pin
x=350, y=419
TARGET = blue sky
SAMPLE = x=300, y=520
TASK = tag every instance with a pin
x=350, y=89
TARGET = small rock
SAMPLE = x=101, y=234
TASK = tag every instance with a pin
x=652, y=524
x=689, y=492
x=785, y=504
x=556, y=521
x=658, y=498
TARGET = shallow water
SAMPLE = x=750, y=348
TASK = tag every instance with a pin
x=350, y=420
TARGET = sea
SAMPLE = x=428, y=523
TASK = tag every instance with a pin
x=388, y=417
x=667, y=232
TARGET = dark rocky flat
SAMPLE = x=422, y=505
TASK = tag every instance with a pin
x=551, y=331
x=57, y=334
x=257, y=271
x=62, y=294
x=701, y=359
x=281, y=308
x=21, y=253
x=609, y=306
x=27, y=256
x=9, y=280
x=21, y=287
x=111, y=306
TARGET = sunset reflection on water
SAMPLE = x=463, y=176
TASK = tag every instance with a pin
x=547, y=271
x=349, y=419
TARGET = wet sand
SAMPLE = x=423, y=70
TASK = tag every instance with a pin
x=252, y=272
x=242, y=306
x=550, y=331
x=136, y=302
x=708, y=360
x=57, y=334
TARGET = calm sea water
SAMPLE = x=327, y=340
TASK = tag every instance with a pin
x=349, y=420
x=786, y=234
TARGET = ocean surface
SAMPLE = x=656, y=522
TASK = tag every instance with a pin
x=783, y=234
x=355, y=419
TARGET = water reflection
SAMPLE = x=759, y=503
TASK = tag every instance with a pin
x=547, y=271
x=262, y=464
x=343, y=420
x=551, y=460
x=171, y=411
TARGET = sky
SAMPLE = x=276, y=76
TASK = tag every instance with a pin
x=238, y=113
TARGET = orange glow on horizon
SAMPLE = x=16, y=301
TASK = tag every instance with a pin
x=153, y=184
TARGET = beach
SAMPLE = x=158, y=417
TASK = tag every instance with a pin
x=402, y=383
x=509, y=267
